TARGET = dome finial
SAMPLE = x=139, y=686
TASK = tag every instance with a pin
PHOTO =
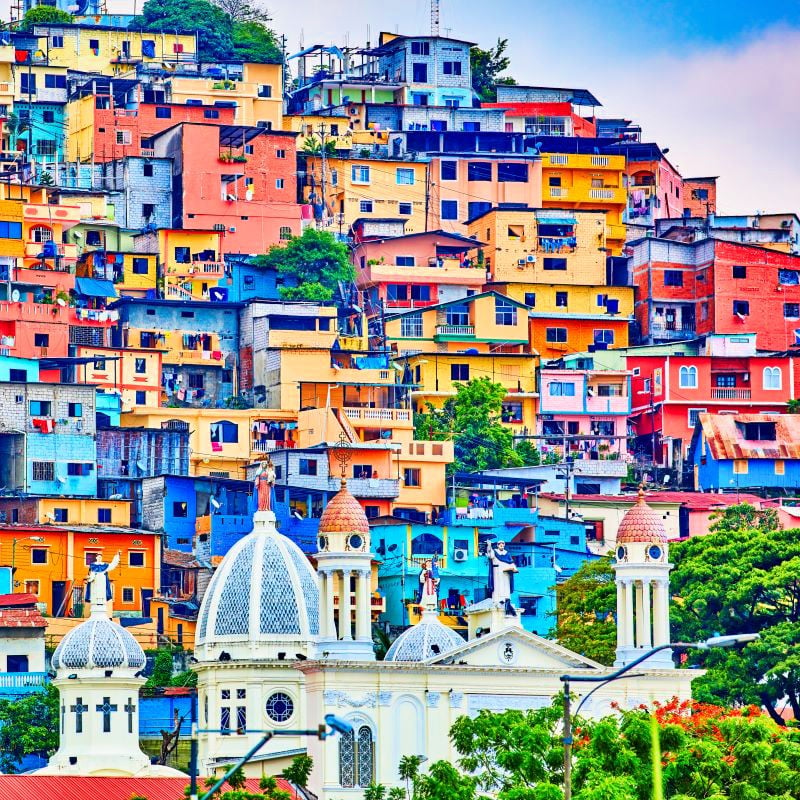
x=641, y=499
x=341, y=452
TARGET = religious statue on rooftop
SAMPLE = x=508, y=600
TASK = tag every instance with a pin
x=429, y=585
x=265, y=479
x=98, y=585
x=501, y=574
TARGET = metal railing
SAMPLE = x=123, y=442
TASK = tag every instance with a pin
x=719, y=393
x=455, y=330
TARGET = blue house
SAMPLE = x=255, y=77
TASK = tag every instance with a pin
x=746, y=451
x=247, y=281
x=19, y=369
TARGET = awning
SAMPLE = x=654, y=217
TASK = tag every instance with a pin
x=94, y=287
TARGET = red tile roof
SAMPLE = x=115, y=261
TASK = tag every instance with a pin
x=693, y=501
x=21, y=618
x=344, y=514
x=641, y=524
x=11, y=600
x=34, y=787
x=725, y=441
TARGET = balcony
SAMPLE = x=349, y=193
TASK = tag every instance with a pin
x=730, y=394
x=456, y=331
x=148, y=152
x=372, y=417
x=199, y=269
x=270, y=445
x=21, y=682
x=618, y=404
x=559, y=192
x=497, y=515
x=672, y=330
x=67, y=251
x=432, y=271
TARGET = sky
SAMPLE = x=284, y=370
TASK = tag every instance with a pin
x=715, y=81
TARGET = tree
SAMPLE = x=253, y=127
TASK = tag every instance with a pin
x=743, y=516
x=162, y=670
x=299, y=770
x=253, y=41
x=408, y=769
x=43, y=15
x=244, y=11
x=472, y=419
x=15, y=125
x=214, y=27
x=486, y=66
x=315, y=260
x=742, y=581
x=28, y=726
x=585, y=606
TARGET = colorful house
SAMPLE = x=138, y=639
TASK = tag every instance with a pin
x=134, y=374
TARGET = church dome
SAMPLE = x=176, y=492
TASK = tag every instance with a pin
x=98, y=643
x=343, y=514
x=264, y=591
x=641, y=524
x=426, y=639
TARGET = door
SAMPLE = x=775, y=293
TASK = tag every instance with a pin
x=17, y=663
x=59, y=599
x=160, y=622
x=147, y=596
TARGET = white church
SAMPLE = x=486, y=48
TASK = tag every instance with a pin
x=275, y=651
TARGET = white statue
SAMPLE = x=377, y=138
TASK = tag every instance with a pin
x=429, y=586
x=501, y=574
x=98, y=586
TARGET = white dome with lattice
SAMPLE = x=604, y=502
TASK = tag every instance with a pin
x=426, y=639
x=98, y=643
x=263, y=598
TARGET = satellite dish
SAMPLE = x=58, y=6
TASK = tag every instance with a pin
x=15, y=295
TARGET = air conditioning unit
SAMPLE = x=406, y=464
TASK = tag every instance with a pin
x=232, y=229
x=531, y=259
x=459, y=554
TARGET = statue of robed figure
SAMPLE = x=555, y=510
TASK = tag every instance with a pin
x=429, y=585
x=98, y=585
x=265, y=479
x=501, y=575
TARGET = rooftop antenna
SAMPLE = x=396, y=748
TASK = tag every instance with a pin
x=435, y=17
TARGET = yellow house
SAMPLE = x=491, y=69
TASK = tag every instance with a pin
x=133, y=373
x=316, y=128
x=258, y=94
x=485, y=335
x=12, y=245
x=581, y=181
x=370, y=188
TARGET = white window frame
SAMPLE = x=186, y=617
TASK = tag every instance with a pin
x=407, y=172
x=684, y=374
x=769, y=374
x=357, y=173
x=689, y=413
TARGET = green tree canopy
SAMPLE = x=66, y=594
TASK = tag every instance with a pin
x=486, y=66
x=586, y=603
x=472, y=419
x=253, y=41
x=315, y=261
x=41, y=15
x=28, y=726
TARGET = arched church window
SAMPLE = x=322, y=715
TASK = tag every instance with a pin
x=356, y=758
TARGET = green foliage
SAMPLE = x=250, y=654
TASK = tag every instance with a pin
x=375, y=791
x=237, y=780
x=162, y=671
x=253, y=41
x=28, y=725
x=299, y=770
x=793, y=406
x=472, y=419
x=381, y=642
x=741, y=581
x=486, y=66
x=528, y=452
x=313, y=146
x=42, y=15
x=743, y=516
x=585, y=604
x=444, y=782
x=315, y=260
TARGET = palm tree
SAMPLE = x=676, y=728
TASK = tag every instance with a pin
x=408, y=769
x=15, y=126
x=375, y=791
x=381, y=641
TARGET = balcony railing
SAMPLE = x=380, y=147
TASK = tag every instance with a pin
x=378, y=414
x=675, y=330
x=601, y=194
x=268, y=445
x=559, y=192
x=719, y=393
x=22, y=680
x=455, y=330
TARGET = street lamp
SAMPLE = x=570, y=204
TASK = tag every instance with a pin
x=336, y=725
x=14, y=554
x=602, y=680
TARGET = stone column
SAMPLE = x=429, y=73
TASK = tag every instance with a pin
x=330, y=623
x=363, y=606
x=647, y=638
x=345, y=610
x=627, y=620
x=660, y=613
x=637, y=590
x=620, y=614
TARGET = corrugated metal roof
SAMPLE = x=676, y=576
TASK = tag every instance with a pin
x=726, y=441
x=21, y=618
x=30, y=787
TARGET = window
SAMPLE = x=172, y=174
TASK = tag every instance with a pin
x=449, y=170
x=148, y=209
x=196, y=380
x=473, y=127
x=279, y=183
x=41, y=339
x=530, y=299
x=140, y=266
x=89, y=556
x=673, y=277
x=285, y=233
x=359, y=174
x=741, y=308
x=739, y=272
x=687, y=377
x=61, y=515
x=789, y=277
x=365, y=206
x=772, y=377
x=211, y=113
x=780, y=467
x=449, y=209
x=135, y=558
x=404, y=261
x=562, y=299
x=123, y=137
x=280, y=154
x=561, y=389
x=420, y=48
x=452, y=67
x=603, y=336
x=725, y=381
x=791, y=310
x=512, y=173
x=27, y=83
x=78, y=468
x=411, y=326
x=140, y=366
x=104, y=515
x=265, y=90
x=180, y=509
x=141, y=398
x=94, y=44
x=38, y=555
x=555, y=180
x=476, y=208
x=554, y=263
x=40, y=408
x=555, y=335
x=602, y=428
x=459, y=372
x=419, y=73
x=404, y=209
x=694, y=414
x=505, y=312
x=225, y=721
x=127, y=594
x=308, y=466
x=224, y=432
x=758, y=431
x=279, y=707
x=479, y=171
x=740, y=466
x=18, y=375
x=404, y=176
x=163, y=112
x=55, y=81
x=411, y=476
x=10, y=230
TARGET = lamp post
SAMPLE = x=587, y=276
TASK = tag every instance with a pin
x=336, y=725
x=602, y=680
x=14, y=554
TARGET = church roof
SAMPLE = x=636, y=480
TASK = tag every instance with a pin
x=98, y=643
x=641, y=524
x=343, y=514
x=428, y=638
